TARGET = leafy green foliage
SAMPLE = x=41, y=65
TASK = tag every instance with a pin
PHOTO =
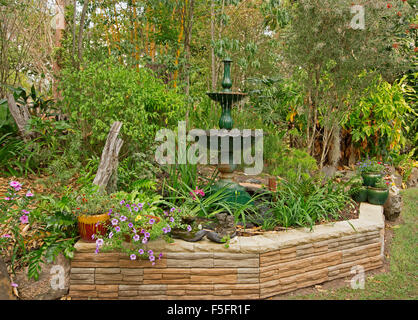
x=137, y=171
x=292, y=164
x=36, y=103
x=378, y=121
x=182, y=178
x=307, y=202
x=57, y=228
x=107, y=91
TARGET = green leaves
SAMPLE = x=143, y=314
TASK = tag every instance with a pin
x=381, y=113
x=307, y=202
x=107, y=91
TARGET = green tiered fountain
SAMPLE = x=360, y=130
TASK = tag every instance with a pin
x=236, y=193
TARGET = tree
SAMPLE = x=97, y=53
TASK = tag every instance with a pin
x=335, y=62
x=26, y=43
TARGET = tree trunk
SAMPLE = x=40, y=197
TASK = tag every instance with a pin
x=74, y=29
x=21, y=116
x=187, y=41
x=106, y=176
x=334, y=154
x=81, y=29
x=212, y=50
x=60, y=26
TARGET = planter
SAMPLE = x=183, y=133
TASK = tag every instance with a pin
x=360, y=195
x=89, y=225
x=377, y=196
x=370, y=178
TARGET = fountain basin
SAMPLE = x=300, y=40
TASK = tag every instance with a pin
x=227, y=97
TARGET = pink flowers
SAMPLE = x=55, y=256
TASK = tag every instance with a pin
x=6, y=235
x=24, y=219
x=197, y=191
x=29, y=194
x=16, y=185
x=189, y=228
x=133, y=257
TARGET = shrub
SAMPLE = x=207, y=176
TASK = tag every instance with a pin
x=290, y=163
x=107, y=91
x=378, y=121
x=32, y=236
x=307, y=202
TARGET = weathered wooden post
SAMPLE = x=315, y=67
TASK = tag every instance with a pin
x=21, y=116
x=106, y=176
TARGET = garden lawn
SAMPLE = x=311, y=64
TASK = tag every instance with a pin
x=401, y=282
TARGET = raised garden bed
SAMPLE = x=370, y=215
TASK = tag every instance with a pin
x=254, y=267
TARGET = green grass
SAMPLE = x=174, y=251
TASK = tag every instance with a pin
x=401, y=282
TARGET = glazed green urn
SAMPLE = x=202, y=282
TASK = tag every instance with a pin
x=370, y=178
x=359, y=195
x=377, y=196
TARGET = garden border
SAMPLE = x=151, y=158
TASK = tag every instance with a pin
x=254, y=267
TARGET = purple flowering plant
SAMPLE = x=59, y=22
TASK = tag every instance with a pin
x=15, y=213
x=130, y=230
x=370, y=166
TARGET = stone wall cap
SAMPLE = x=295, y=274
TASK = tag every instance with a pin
x=370, y=218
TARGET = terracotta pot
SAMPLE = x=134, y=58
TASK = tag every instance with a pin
x=377, y=196
x=89, y=225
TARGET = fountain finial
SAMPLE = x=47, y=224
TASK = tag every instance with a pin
x=227, y=82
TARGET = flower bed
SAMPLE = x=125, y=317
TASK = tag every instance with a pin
x=250, y=268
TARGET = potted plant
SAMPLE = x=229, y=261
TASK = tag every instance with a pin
x=357, y=191
x=92, y=215
x=132, y=226
x=379, y=193
x=185, y=226
x=371, y=171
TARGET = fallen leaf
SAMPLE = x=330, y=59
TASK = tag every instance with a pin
x=25, y=229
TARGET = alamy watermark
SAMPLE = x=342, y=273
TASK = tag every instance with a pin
x=58, y=21
x=357, y=282
x=58, y=277
x=231, y=146
x=358, y=21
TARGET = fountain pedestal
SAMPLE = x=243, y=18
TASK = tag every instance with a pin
x=236, y=193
